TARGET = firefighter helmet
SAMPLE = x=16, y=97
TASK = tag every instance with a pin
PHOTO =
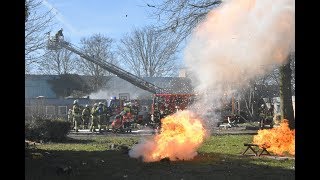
x=87, y=105
x=75, y=102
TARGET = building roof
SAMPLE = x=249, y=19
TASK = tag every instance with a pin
x=37, y=85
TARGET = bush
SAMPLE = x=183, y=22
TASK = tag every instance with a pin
x=46, y=129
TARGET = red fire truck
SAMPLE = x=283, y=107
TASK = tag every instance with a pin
x=166, y=104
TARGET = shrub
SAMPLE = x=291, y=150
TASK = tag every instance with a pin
x=46, y=129
x=57, y=130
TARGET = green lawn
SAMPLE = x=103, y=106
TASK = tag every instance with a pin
x=92, y=158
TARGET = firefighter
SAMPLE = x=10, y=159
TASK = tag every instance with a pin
x=107, y=115
x=145, y=116
x=117, y=123
x=262, y=116
x=101, y=116
x=76, y=113
x=270, y=116
x=126, y=107
x=70, y=119
x=86, y=117
x=94, y=118
x=127, y=120
x=59, y=35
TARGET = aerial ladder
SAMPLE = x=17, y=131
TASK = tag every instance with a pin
x=57, y=42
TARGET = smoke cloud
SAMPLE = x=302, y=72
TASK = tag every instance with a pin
x=237, y=42
x=229, y=48
x=102, y=94
x=134, y=92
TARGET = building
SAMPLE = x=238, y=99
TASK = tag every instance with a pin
x=41, y=98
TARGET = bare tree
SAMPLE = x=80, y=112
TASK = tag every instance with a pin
x=251, y=100
x=100, y=48
x=37, y=23
x=268, y=87
x=58, y=62
x=286, y=106
x=148, y=52
x=293, y=69
x=26, y=11
x=250, y=103
x=180, y=17
x=273, y=78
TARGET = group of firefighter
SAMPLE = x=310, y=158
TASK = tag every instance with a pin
x=93, y=118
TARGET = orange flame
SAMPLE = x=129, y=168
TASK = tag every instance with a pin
x=277, y=140
x=180, y=136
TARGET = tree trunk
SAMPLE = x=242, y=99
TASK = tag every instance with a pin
x=286, y=94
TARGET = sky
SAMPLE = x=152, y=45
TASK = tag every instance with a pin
x=83, y=18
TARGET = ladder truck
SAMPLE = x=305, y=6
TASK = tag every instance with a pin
x=161, y=97
x=55, y=43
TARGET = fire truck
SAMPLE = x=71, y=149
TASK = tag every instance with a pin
x=166, y=104
x=116, y=105
x=163, y=103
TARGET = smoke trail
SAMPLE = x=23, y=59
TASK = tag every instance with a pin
x=234, y=43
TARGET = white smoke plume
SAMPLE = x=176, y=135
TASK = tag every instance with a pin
x=237, y=42
x=229, y=48
x=102, y=94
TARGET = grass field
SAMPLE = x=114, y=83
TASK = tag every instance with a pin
x=220, y=157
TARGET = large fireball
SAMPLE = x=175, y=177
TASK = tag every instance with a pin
x=277, y=140
x=180, y=136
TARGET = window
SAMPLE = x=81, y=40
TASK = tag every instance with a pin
x=62, y=110
x=50, y=110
